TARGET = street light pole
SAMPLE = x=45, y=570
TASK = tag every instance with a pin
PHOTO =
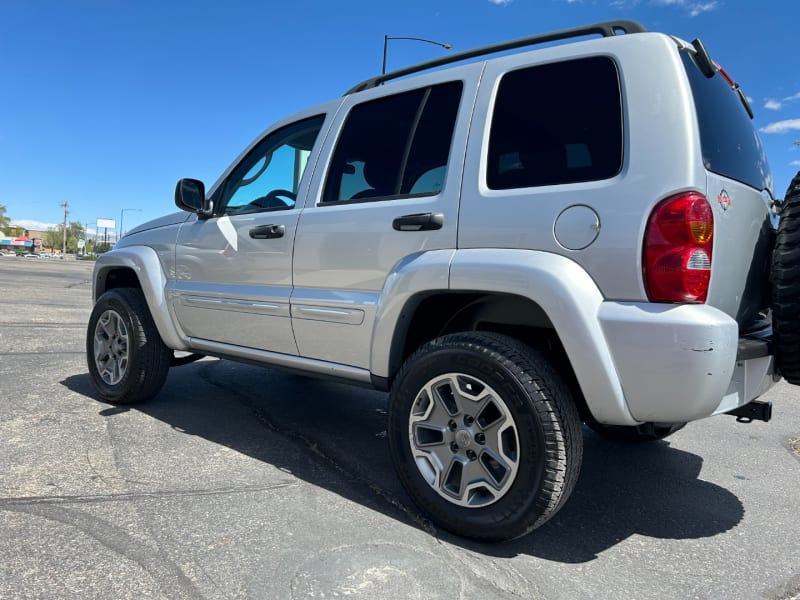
x=121, y=216
x=64, y=232
x=386, y=39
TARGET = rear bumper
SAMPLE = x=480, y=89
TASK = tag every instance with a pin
x=683, y=362
x=754, y=372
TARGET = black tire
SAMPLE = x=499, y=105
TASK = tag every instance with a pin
x=786, y=286
x=128, y=361
x=646, y=432
x=523, y=413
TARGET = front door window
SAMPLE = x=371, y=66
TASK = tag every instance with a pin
x=269, y=177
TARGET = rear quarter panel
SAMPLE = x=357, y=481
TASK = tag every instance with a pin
x=743, y=240
x=661, y=158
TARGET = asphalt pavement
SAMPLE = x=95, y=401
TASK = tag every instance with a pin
x=244, y=482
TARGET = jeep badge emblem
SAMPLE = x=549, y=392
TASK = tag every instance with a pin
x=724, y=200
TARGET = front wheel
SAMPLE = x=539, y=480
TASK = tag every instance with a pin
x=128, y=361
x=484, y=435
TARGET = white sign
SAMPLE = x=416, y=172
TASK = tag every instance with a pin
x=106, y=224
x=81, y=244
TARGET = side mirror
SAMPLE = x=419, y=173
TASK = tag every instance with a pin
x=190, y=195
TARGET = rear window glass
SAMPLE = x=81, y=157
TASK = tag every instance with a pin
x=729, y=142
x=556, y=123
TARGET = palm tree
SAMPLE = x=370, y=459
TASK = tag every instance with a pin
x=4, y=220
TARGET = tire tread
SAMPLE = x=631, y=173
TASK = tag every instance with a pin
x=149, y=359
x=786, y=286
x=555, y=410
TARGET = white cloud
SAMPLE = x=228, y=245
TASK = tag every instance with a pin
x=30, y=224
x=782, y=126
x=702, y=7
x=694, y=8
x=792, y=97
x=501, y=2
x=775, y=104
x=795, y=163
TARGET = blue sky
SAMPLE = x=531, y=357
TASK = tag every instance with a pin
x=107, y=103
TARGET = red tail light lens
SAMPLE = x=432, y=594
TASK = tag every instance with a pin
x=677, y=249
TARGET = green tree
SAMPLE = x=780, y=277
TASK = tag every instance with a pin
x=54, y=237
x=4, y=220
x=75, y=232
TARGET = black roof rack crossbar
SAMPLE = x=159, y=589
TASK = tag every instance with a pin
x=606, y=29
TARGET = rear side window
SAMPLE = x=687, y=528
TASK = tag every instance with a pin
x=396, y=146
x=556, y=123
x=728, y=140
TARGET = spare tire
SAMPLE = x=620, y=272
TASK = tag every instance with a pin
x=786, y=286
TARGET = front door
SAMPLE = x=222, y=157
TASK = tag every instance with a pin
x=232, y=276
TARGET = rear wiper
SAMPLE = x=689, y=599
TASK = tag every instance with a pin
x=708, y=68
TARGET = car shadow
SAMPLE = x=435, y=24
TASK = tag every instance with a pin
x=333, y=435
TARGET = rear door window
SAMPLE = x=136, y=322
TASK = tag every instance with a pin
x=395, y=147
x=556, y=123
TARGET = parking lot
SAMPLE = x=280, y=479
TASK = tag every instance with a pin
x=243, y=482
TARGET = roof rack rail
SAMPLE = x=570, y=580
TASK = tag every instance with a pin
x=606, y=29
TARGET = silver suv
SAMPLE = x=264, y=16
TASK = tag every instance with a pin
x=512, y=246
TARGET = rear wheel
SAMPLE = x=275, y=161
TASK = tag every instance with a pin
x=786, y=286
x=128, y=361
x=484, y=435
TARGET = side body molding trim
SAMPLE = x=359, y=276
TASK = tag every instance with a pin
x=144, y=262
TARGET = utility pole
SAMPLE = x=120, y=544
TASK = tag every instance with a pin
x=64, y=240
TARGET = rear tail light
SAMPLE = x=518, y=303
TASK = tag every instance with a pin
x=677, y=249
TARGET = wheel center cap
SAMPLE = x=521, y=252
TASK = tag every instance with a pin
x=463, y=438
